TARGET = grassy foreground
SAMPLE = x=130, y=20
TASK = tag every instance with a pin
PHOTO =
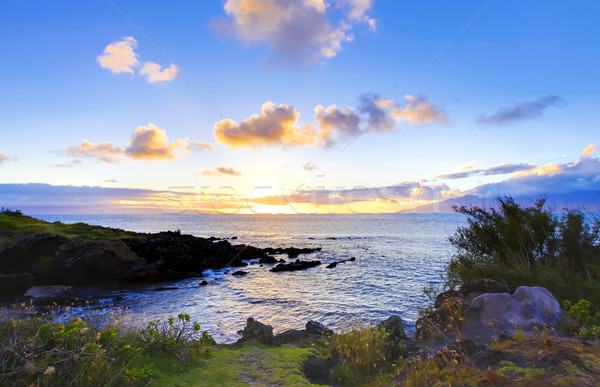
x=14, y=223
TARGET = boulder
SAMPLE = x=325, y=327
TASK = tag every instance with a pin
x=525, y=308
x=477, y=287
x=15, y=284
x=395, y=327
x=239, y=273
x=316, y=328
x=258, y=331
x=47, y=291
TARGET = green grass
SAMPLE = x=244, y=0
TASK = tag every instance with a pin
x=252, y=364
x=14, y=224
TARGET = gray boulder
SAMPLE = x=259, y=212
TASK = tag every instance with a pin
x=525, y=308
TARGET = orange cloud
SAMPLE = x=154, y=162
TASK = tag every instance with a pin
x=119, y=57
x=589, y=151
x=147, y=143
x=104, y=151
x=274, y=125
x=220, y=171
x=418, y=111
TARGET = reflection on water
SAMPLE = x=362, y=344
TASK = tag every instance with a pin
x=396, y=256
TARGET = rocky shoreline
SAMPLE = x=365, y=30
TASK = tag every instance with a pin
x=49, y=259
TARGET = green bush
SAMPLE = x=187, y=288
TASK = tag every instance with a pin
x=532, y=246
x=364, y=352
x=580, y=320
x=42, y=349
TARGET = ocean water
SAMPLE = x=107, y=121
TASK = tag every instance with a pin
x=397, y=255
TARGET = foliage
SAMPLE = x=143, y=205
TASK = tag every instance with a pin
x=44, y=349
x=581, y=321
x=531, y=245
x=364, y=352
x=180, y=337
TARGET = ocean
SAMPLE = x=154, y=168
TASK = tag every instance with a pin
x=397, y=255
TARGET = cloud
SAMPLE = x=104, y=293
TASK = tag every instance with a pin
x=220, y=171
x=589, y=151
x=4, y=157
x=275, y=125
x=520, y=111
x=309, y=166
x=151, y=143
x=297, y=32
x=147, y=143
x=67, y=165
x=358, y=12
x=189, y=146
x=490, y=171
x=120, y=57
x=154, y=74
x=554, y=178
x=385, y=114
x=113, y=181
x=104, y=151
x=278, y=125
x=333, y=121
x=420, y=112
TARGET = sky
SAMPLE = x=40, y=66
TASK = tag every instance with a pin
x=303, y=106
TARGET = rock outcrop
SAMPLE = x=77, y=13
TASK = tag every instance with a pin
x=255, y=330
x=294, y=266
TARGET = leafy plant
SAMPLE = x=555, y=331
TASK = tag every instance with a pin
x=580, y=319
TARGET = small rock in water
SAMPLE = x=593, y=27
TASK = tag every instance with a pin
x=203, y=283
x=239, y=273
x=331, y=265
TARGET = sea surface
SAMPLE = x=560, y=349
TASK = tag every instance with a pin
x=397, y=255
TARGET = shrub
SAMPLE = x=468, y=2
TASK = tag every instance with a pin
x=44, y=349
x=529, y=246
x=363, y=352
x=580, y=320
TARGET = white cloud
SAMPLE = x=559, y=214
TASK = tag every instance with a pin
x=120, y=57
x=154, y=72
x=297, y=32
x=309, y=166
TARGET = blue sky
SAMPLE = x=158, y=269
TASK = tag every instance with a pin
x=517, y=86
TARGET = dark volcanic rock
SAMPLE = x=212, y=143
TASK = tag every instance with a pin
x=203, y=283
x=298, y=265
x=239, y=273
x=55, y=259
x=292, y=252
x=316, y=328
x=334, y=264
x=15, y=284
x=395, y=327
x=291, y=336
x=478, y=287
x=258, y=331
x=268, y=260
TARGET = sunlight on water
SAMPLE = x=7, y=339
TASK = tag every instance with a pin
x=396, y=256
